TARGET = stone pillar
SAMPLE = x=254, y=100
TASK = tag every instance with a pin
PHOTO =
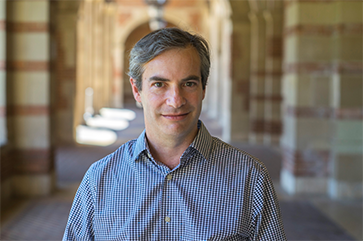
x=82, y=60
x=5, y=165
x=28, y=100
x=97, y=34
x=307, y=80
x=64, y=22
x=346, y=174
x=108, y=23
x=240, y=71
x=257, y=78
x=103, y=23
x=213, y=91
x=117, y=84
x=225, y=81
x=3, y=131
x=273, y=98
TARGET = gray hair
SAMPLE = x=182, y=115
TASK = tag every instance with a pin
x=159, y=41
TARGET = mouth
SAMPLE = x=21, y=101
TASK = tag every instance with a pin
x=175, y=116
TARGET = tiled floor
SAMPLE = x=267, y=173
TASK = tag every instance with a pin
x=305, y=218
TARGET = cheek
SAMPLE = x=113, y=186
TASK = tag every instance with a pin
x=151, y=101
x=196, y=98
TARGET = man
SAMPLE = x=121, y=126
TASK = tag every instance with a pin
x=176, y=181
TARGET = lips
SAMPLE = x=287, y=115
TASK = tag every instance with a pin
x=175, y=116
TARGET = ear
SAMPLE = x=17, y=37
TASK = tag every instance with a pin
x=135, y=90
x=203, y=94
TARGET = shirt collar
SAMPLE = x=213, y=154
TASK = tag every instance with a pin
x=202, y=142
x=140, y=145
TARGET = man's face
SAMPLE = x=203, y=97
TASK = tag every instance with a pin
x=171, y=94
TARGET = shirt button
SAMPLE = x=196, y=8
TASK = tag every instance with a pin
x=167, y=219
x=169, y=177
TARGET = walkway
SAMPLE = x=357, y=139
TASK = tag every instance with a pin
x=305, y=218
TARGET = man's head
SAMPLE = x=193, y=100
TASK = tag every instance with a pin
x=162, y=40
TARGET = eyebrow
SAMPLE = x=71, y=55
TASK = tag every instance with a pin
x=158, y=78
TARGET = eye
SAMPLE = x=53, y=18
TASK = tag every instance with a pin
x=190, y=84
x=158, y=84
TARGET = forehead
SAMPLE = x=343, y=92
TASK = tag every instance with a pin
x=181, y=59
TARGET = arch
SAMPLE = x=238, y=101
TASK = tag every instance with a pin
x=135, y=35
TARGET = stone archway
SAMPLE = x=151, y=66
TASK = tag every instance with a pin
x=133, y=37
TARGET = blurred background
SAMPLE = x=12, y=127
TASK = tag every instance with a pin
x=285, y=85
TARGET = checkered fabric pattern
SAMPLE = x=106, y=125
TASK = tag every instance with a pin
x=217, y=192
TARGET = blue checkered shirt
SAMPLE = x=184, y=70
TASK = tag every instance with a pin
x=217, y=192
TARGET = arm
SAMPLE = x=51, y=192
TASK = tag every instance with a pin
x=80, y=220
x=267, y=220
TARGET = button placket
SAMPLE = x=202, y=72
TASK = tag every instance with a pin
x=167, y=204
x=168, y=177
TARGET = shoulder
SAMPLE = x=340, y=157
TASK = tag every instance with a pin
x=233, y=156
x=114, y=162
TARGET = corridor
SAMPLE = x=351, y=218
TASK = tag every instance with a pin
x=305, y=217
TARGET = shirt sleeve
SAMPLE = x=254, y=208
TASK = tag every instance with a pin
x=80, y=220
x=267, y=220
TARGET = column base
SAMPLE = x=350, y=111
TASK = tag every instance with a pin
x=303, y=185
x=345, y=190
x=33, y=185
x=254, y=138
x=6, y=192
x=273, y=140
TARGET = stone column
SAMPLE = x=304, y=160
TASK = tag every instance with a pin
x=5, y=165
x=106, y=19
x=213, y=92
x=346, y=174
x=108, y=22
x=28, y=100
x=3, y=131
x=225, y=82
x=106, y=68
x=82, y=59
x=64, y=30
x=273, y=98
x=86, y=67
x=307, y=80
x=240, y=71
x=117, y=84
x=97, y=35
x=257, y=78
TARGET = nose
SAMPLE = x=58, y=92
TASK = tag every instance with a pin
x=175, y=98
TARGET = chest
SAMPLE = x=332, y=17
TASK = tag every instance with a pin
x=176, y=206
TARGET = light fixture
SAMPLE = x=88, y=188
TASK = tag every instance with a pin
x=156, y=14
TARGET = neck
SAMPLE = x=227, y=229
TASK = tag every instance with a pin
x=169, y=150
